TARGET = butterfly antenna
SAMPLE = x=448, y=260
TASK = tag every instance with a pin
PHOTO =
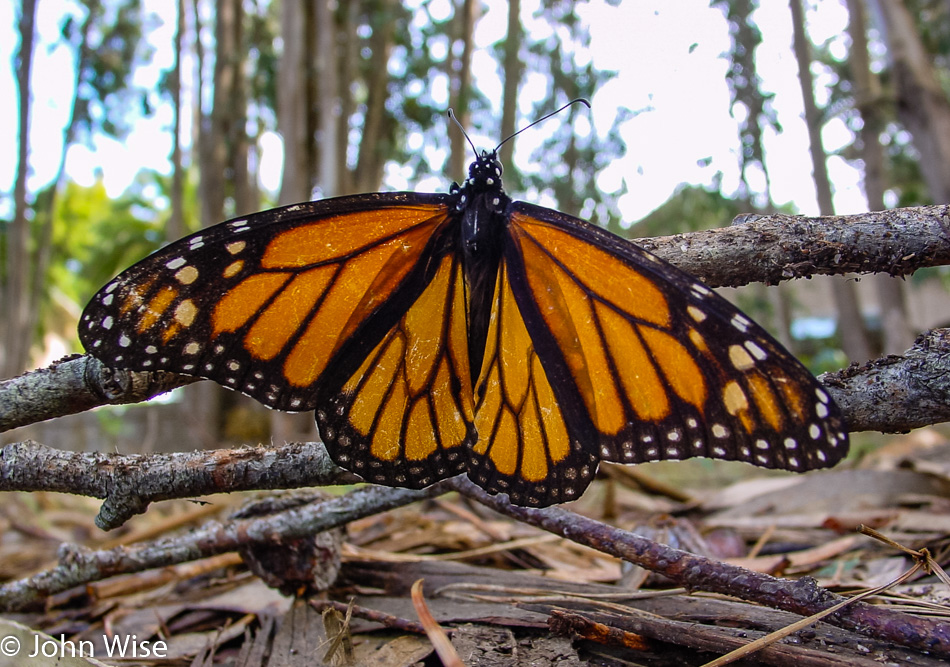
x=464, y=133
x=579, y=100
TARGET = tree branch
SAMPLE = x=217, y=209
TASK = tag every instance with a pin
x=754, y=249
x=772, y=248
x=891, y=394
x=74, y=385
x=897, y=393
x=128, y=483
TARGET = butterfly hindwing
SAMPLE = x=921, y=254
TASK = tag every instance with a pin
x=661, y=366
x=262, y=303
x=524, y=446
x=405, y=416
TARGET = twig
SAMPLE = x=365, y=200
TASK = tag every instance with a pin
x=803, y=597
x=78, y=565
x=388, y=620
x=778, y=635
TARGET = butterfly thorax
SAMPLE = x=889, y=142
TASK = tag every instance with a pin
x=481, y=205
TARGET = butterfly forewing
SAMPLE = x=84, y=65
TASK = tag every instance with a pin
x=663, y=367
x=261, y=304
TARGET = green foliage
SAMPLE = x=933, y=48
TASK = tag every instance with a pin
x=109, y=46
x=96, y=236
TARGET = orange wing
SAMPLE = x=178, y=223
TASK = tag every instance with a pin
x=525, y=447
x=262, y=304
x=405, y=416
x=647, y=363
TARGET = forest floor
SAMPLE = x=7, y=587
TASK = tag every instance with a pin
x=508, y=593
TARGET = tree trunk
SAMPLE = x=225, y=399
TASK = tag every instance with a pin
x=295, y=121
x=349, y=68
x=16, y=333
x=217, y=151
x=215, y=126
x=922, y=106
x=292, y=103
x=854, y=339
x=371, y=156
x=896, y=333
x=176, y=223
x=244, y=183
x=327, y=98
x=461, y=78
x=514, y=70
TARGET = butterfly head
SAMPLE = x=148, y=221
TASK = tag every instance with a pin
x=484, y=174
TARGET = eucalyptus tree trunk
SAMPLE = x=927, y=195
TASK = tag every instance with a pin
x=16, y=312
x=869, y=98
x=922, y=105
x=514, y=71
x=854, y=338
x=461, y=77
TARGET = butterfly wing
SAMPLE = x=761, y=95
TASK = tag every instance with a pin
x=524, y=447
x=643, y=362
x=404, y=417
x=263, y=303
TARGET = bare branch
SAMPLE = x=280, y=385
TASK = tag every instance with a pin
x=130, y=482
x=891, y=394
x=75, y=385
x=757, y=249
x=897, y=393
x=772, y=248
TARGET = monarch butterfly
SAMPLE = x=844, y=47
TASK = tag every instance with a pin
x=436, y=334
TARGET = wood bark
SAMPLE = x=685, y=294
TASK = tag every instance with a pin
x=293, y=103
x=328, y=98
x=514, y=71
x=371, y=155
x=175, y=228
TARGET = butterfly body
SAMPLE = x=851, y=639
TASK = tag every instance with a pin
x=436, y=334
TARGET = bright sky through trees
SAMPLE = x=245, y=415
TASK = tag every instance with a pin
x=669, y=69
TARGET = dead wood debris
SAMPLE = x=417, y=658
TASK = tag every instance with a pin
x=510, y=593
